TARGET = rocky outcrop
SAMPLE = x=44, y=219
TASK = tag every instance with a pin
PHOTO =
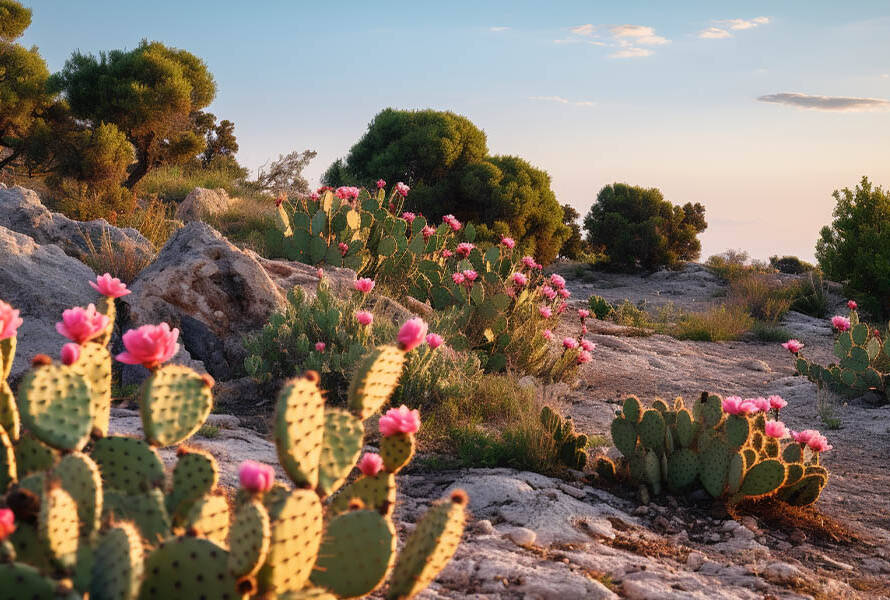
x=201, y=203
x=21, y=211
x=288, y=275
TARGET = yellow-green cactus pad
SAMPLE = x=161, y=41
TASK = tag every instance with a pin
x=174, y=403
x=127, y=464
x=19, y=581
x=374, y=380
x=249, y=539
x=188, y=568
x=33, y=456
x=356, y=553
x=429, y=547
x=763, y=478
x=145, y=510
x=396, y=451
x=376, y=492
x=94, y=365
x=341, y=446
x=209, y=517
x=56, y=406
x=117, y=564
x=8, y=470
x=58, y=526
x=9, y=412
x=80, y=477
x=299, y=429
x=296, y=537
x=194, y=476
x=7, y=355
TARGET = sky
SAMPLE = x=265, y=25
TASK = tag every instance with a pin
x=758, y=110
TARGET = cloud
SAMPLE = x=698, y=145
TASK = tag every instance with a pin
x=631, y=53
x=713, y=33
x=637, y=34
x=583, y=29
x=835, y=103
x=498, y=29
x=721, y=31
x=561, y=100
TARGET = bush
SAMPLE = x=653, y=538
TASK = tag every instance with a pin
x=733, y=264
x=84, y=202
x=790, y=265
x=811, y=296
x=630, y=315
x=717, y=324
x=762, y=296
x=638, y=229
x=600, y=307
x=855, y=248
x=173, y=183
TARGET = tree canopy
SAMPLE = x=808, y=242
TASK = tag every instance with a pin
x=636, y=228
x=444, y=158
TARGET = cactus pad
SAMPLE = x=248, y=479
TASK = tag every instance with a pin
x=174, y=403
x=7, y=355
x=737, y=429
x=795, y=472
x=299, y=429
x=356, y=553
x=682, y=469
x=128, y=464
x=80, y=477
x=56, y=406
x=735, y=472
x=713, y=466
x=377, y=492
x=684, y=428
x=396, y=451
x=145, y=510
x=763, y=478
x=58, y=526
x=9, y=412
x=19, y=581
x=341, y=446
x=209, y=517
x=805, y=492
x=624, y=436
x=94, y=365
x=429, y=547
x=374, y=380
x=652, y=471
x=605, y=468
x=632, y=409
x=194, y=475
x=651, y=429
x=249, y=539
x=33, y=456
x=188, y=567
x=296, y=537
x=8, y=469
x=792, y=453
x=117, y=564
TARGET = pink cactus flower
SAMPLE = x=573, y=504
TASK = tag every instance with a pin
x=508, y=242
x=584, y=357
x=557, y=281
x=347, y=192
x=840, y=323
x=80, y=324
x=777, y=402
x=749, y=407
x=9, y=321
x=761, y=403
x=793, y=346
x=588, y=345
x=320, y=346
x=256, y=477
x=569, y=343
x=315, y=195
x=464, y=248
x=434, y=340
x=446, y=253
x=470, y=275
x=562, y=308
x=364, y=317
x=548, y=335
x=564, y=293
x=583, y=313
x=409, y=216
x=320, y=273
x=733, y=405
x=851, y=304
x=819, y=443
x=344, y=248
x=70, y=353
x=775, y=429
x=364, y=285
x=428, y=232
x=402, y=189
x=803, y=437
x=529, y=262
x=458, y=278
x=399, y=420
x=519, y=279
x=547, y=291
x=381, y=184
x=149, y=345
x=546, y=312
x=7, y=523
x=110, y=287
x=412, y=334
x=370, y=464
x=454, y=224
x=584, y=330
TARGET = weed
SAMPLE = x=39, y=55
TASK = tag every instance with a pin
x=209, y=431
x=716, y=324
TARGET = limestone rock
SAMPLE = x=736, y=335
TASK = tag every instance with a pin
x=201, y=203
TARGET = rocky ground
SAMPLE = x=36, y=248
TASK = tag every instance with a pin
x=530, y=537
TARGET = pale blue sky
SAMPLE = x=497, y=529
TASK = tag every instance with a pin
x=651, y=93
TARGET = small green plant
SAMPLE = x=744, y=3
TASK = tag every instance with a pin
x=727, y=446
x=600, y=307
x=765, y=332
x=630, y=315
x=570, y=446
x=208, y=431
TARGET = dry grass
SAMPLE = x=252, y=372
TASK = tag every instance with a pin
x=246, y=222
x=716, y=324
x=819, y=527
x=763, y=296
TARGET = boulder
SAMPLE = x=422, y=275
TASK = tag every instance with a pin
x=288, y=275
x=21, y=211
x=202, y=202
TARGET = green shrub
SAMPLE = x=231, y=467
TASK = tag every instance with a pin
x=600, y=307
x=811, y=296
x=855, y=248
x=732, y=264
x=790, y=265
x=769, y=332
x=638, y=229
x=630, y=315
x=173, y=183
x=717, y=324
x=762, y=296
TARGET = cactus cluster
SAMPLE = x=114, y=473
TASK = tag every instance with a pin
x=97, y=516
x=863, y=355
x=734, y=456
x=571, y=447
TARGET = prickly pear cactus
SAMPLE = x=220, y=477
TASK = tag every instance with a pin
x=56, y=405
x=174, y=403
x=117, y=567
x=187, y=567
x=300, y=428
